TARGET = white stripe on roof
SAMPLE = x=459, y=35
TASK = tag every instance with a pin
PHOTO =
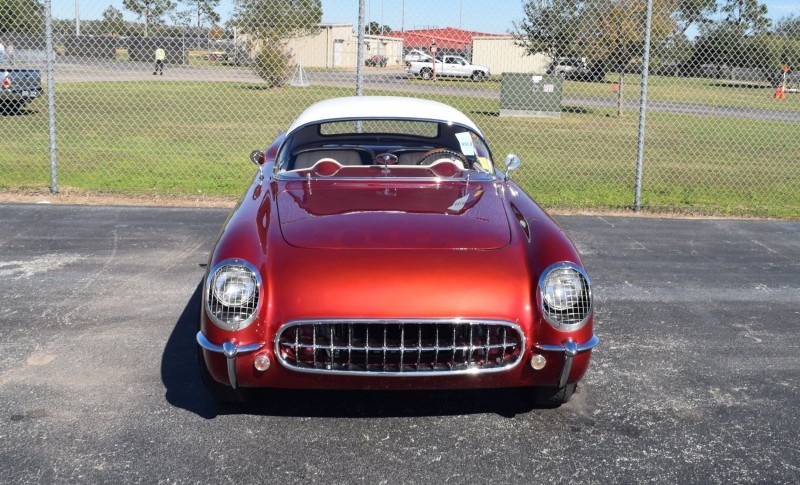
x=382, y=107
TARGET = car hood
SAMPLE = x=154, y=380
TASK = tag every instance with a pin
x=432, y=216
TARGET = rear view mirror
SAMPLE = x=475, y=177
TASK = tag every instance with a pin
x=512, y=163
x=258, y=157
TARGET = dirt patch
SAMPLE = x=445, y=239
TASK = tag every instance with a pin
x=72, y=196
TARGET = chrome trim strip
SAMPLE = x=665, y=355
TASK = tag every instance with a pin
x=284, y=176
x=568, y=327
x=230, y=349
x=588, y=345
x=570, y=350
x=384, y=348
x=207, y=288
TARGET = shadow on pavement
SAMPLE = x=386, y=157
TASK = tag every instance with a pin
x=184, y=389
x=179, y=371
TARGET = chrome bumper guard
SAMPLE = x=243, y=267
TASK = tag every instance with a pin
x=570, y=349
x=230, y=349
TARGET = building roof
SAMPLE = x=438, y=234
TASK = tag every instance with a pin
x=451, y=38
x=382, y=108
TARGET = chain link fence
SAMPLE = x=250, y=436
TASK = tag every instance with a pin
x=168, y=97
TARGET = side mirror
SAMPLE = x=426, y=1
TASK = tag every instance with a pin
x=258, y=157
x=512, y=163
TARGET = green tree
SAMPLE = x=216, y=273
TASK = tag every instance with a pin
x=374, y=28
x=551, y=27
x=203, y=12
x=112, y=22
x=152, y=12
x=613, y=31
x=721, y=44
x=788, y=27
x=21, y=16
x=748, y=15
x=268, y=24
x=693, y=12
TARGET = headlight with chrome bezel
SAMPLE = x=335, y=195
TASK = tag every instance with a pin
x=231, y=294
x=565, y=295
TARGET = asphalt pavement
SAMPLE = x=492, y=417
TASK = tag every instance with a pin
x=696, y=379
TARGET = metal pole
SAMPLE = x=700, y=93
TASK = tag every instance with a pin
x=78, y=18
x=360, y=51
x=51, y=97
x=403, y=18
x=637, y=205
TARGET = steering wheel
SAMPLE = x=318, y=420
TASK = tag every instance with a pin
x=443, y=154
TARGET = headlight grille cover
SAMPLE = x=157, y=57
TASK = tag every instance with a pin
x=565, y=296
x=232, y=293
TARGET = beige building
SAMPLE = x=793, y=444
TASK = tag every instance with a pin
x=336, y=46
x=501, y=54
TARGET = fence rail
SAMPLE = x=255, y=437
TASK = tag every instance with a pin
x=708, y=122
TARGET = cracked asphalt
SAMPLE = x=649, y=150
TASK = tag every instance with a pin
x=696, y=378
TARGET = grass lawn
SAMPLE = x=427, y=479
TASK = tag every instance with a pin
x=191, y=138
x=662, y=89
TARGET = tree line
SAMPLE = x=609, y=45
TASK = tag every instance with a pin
x=686, y=35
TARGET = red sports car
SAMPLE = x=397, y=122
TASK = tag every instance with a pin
x=379, y=247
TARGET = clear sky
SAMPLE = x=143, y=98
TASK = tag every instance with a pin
x=490, y=16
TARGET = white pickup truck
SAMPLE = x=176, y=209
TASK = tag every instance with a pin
x=450, y=66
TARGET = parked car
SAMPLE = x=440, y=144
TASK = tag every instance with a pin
x=415, y=55
x=216, y=56
x=449, y=66
x=380, y=247
x=18, y=87
x=376, y=61
x=577, y=70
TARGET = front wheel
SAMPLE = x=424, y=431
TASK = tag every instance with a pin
x=426, y=73
x=553, y=397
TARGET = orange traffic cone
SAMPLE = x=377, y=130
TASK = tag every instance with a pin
x=614, y=88
x=780, y=93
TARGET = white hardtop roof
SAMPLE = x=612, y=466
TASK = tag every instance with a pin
x=382, y=107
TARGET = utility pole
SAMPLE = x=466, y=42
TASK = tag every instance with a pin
x=403, y=18
x=78, y=18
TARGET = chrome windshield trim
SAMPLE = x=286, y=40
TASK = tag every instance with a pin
x=295, y=176
x=470, y=371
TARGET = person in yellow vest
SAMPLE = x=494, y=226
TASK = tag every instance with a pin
x=160, y=55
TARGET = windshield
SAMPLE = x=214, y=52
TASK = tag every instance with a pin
x=385, y=148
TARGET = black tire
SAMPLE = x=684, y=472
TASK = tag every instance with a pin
x=478, y=76
x=425, y=73
x=553, y=397
x=220, y=392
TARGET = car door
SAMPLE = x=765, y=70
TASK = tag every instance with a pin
x=449, y=67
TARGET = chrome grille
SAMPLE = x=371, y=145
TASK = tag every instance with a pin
x=399, y=346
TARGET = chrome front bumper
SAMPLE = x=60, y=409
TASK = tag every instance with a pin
x=230, y=350
x=570, y=349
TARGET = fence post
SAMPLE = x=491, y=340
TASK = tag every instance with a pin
x=637, y=205
x=51, y=98
x=360, y=51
